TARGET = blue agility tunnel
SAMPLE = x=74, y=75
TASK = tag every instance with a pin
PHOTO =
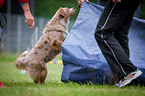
x=83, y=61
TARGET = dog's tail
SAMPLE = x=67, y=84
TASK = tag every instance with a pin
x=20, y=61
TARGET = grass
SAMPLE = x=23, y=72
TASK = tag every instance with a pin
x=21, y=85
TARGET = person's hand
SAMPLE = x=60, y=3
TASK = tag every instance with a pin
x=80, y=2
x=116, y=0
x=29, y=18
x=87, y=0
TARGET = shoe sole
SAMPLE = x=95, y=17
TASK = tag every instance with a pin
x=138, y=74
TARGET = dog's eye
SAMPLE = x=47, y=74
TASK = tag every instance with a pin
x=61, y=16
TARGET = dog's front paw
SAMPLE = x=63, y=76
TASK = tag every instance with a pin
x=56, y=45
x=24, y=53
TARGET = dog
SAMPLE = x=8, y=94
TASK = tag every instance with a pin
x=47, y=47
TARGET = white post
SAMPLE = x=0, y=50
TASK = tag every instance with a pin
x=34, y=39
x=41, y=26
x=98, y=1
x=19, y=34
x=36, y=34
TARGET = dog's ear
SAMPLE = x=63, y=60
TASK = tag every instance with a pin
x=56, y=45
x=61, y=13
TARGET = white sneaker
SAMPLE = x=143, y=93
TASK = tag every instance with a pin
x=127, y=79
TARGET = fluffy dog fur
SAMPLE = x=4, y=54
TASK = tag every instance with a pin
x=48, y=46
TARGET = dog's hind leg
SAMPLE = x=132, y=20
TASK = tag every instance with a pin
x=43, y=76
x=20, y=61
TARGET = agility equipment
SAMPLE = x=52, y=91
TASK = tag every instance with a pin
x=83, y=61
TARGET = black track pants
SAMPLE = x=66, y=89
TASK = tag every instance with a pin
x=112, y=35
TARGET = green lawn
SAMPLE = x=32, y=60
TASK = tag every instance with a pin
x=21, y=85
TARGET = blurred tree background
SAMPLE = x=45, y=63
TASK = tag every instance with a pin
x=47, y=8
x=143, y=9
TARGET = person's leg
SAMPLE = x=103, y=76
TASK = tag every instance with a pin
x=121, y=34
x=115, y=68
x=112, y=17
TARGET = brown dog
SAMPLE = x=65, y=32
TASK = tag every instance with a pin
x=48, y=46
